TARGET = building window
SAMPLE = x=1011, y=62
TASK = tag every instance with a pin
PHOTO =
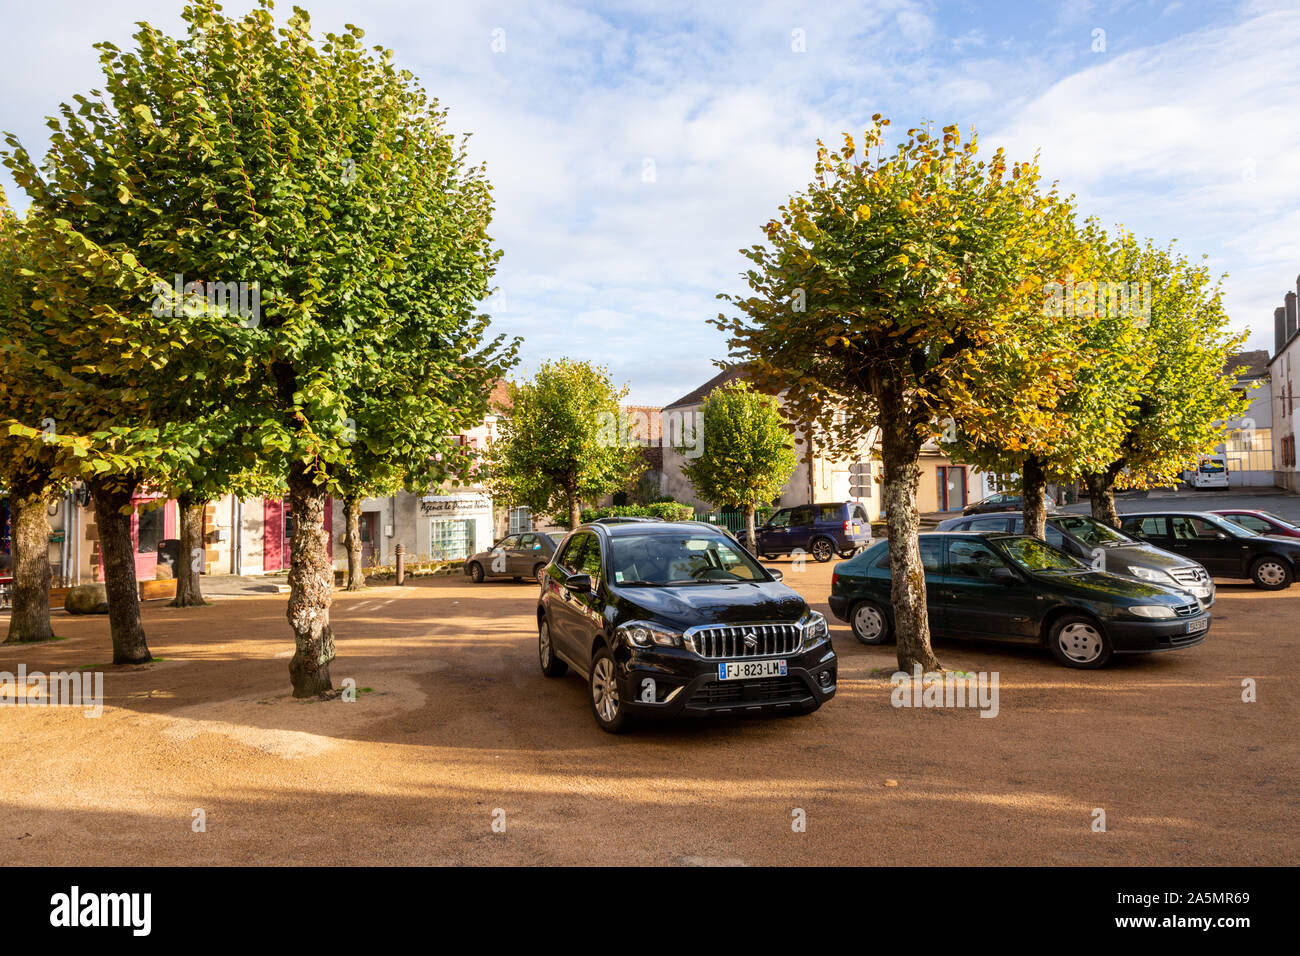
x=521, y=519
x=451, y=539
x=150, y=531
x=1249, y=450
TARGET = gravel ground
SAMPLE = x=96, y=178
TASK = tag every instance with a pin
x=459, y=729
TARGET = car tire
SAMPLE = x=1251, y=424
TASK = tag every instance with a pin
x=822, y=549
x=609, y=709
x=848, y=553
x=1078, y=641
x=552, y=666
x=869, y=623
x=539, y=573
x=769, y=557
x=1271, y=573
x=475, y=572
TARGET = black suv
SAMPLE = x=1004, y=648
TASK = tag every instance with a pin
x=668, y=619
x=1225, y=549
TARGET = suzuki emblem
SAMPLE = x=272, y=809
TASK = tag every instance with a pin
x=751, y=640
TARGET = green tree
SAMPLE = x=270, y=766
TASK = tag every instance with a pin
x=886, y=290
x=320, y=177
x=564, y=442
x=747, y=454
x=26, y=461
x=1182, y=399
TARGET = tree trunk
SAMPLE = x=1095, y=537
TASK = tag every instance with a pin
x=311, y=584
x=352, y=541
x=112, y=496
x=900, y=452
x=1032, y=486
x=30, y=617
x=189, y=563
x=575, y=512
x=751, y=530
x=1101, y=495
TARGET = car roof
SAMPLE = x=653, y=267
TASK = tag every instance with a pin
x=651, y=526
x=1162, y=514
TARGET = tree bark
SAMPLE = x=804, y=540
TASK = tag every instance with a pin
x=751, y=529
x=575, y=512
x=1101, y=495
x=900, y=452
x=30, y=616
x=311, y=585
x=112, y=496
x=1033, y=484
x=188, y=591
x=352, y=541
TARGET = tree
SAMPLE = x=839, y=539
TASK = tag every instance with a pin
x=564, y=442
x=747, y=455
x=1181, y=399
x=1093, y=341
x=26, y=463
x=885, y=291
x=321, y=180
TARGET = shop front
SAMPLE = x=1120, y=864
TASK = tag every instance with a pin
x=458, y=525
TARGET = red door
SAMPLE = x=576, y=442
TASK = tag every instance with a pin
x=275, y=555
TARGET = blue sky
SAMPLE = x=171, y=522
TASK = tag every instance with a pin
x=635, y=147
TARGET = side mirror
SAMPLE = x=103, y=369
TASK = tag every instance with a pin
x=578, y=583
x=776, y=575
x=1004, y=575
x=1221, y=536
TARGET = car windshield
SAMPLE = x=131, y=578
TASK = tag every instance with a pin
x=680, y=559
x=1223, y=524
x=1090, y=531
x=1282, y=521
x=1033, y=555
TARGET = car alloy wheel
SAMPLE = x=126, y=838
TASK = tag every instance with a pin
x=870, y=626
x=823, y=550
x=476, y=573
x=604, y=690
x=539, y=573
x=552, y=666
x=1272, y=574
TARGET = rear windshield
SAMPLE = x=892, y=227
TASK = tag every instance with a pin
x=1091, y=531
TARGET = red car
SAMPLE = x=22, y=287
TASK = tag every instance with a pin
x=1261, y=522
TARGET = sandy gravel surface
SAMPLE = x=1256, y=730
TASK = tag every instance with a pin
x=459, y=724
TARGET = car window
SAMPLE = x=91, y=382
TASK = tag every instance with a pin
x=860, y=514
x=931, y=555
x=570, y=560
x=591, y=558
x=1189, y=528
x=529, y=542
x=1253, y=522
x=801, y=517
x=510, y=542
x=972, y=559
x=830, y=513
x=781, y=519
x=991, y=523
x=1152, y=526
x=1090, y=531
x=1282, y=521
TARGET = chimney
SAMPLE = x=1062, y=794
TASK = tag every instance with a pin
x=1279, y=330
x=1290, y=312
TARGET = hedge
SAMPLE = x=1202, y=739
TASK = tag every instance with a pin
x=663, y=510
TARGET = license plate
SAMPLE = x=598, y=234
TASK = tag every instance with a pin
x=1195, y=627
x=747, y=670
x=857, y=529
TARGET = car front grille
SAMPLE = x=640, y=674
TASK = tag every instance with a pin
x=767, y=690
x=1187, y=610
x=745, y=640
x=1178, y=640
x=1190, y=575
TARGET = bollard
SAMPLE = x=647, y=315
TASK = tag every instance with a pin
x=401, y=564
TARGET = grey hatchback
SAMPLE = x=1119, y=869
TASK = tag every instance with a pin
x=518, y=556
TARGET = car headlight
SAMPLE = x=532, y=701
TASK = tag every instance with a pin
x=646, y=633
x=1151, y=574
x=1153, y=611
x=814, y=628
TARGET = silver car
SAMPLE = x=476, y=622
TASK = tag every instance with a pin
x=517, y=556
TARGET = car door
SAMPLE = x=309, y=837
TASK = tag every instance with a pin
x=526, y=553
x=1203, y=542
x=1152, y=528
x=774, y=538
x=932, y=562
x=562, y=615
x=978, y=605
x=801, y=527
x=500, y=558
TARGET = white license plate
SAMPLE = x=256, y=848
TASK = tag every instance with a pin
x=747, y=670
x=1195, y=627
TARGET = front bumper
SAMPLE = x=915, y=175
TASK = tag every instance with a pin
x=687, y=685
x=1146, y=637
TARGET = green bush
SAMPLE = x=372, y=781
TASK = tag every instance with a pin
x=663, y=510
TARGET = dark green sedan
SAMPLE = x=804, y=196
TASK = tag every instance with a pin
x=1010, y=587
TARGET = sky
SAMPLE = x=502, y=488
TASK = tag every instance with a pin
x=636, y=147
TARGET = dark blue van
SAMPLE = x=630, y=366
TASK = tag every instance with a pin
x=822, y=530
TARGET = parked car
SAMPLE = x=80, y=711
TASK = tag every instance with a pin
x=822, y=530
x=1225, y=549
x=1260, y=522
x=1016, y=588
x=1210, y=472
x=1104, y=548
x=670, y=619
x=1002, y=501
x=517, y=556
